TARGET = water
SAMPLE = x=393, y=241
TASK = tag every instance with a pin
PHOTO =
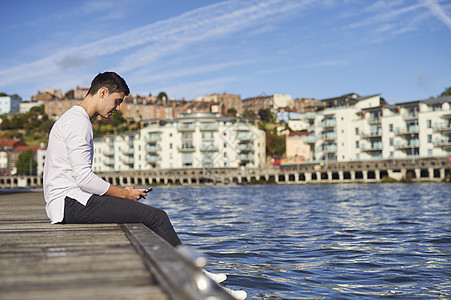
x=352, y=241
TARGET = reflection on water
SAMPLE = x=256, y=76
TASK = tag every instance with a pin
x=320, y=241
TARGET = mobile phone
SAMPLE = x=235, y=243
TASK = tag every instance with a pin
x=146, y=191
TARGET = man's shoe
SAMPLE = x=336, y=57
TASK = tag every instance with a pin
x=219, y=277
x=239, y=295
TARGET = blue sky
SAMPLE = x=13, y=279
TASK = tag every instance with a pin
x=305, y=48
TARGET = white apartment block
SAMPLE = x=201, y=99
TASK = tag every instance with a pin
x=362, y=128
x=9, y=104
x=199, y=140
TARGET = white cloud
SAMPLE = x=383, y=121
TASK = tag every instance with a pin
x=438, y=11
x=157, y=39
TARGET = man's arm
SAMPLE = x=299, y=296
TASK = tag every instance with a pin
x=129, y=192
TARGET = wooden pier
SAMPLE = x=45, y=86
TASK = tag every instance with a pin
x=39, y=260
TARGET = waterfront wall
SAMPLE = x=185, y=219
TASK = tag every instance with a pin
x=428, y=169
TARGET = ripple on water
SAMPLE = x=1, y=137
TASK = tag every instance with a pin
x=320, y=241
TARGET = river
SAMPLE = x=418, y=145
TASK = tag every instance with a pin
x=343, y=241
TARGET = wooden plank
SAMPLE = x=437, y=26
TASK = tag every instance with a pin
x=178, y=276
x=39, y=260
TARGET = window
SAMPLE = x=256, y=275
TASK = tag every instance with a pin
x=430, y=152
x=429, y=138
x=357, y=131
x=429, y=123
x=357, y=144
x=390, y=127
x=391, y=141
x=170, y=145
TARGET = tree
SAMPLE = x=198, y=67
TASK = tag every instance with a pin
x=231, y=112
x=162, y=96
x=26, y=163
x=69, y=94
x=446, y=93
x=265, y=114
x=3, y=94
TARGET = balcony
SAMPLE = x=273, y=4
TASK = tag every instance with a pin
x=410, y=116
x=152, y=138
x=128, y=151
x=309, y=115
x=128, y=160
x=410, y=130
x=409, y=145
x=329, y=123
x=244, y=157
x=446, y=144
x=372, y=147
x=243, y=128
x=153, y=158
x=187, y=147
x=108, y=162
x=373, y=120
x=208, y=127
x=330, y=136
x=152, y=149
x=311, y=139
x=365, y=135
x=443, y=128
x=330, y=148
x=208, y=148
x=186, y=127
x=109, y=152
x=244, y=137
x=245, y=148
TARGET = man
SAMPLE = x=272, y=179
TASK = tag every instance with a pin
x=73, y=193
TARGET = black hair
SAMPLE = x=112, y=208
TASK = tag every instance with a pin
x=113, y=82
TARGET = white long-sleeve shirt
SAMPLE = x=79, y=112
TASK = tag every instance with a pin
x=68, y=163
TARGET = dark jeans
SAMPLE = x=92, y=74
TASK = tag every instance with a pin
x=110, y=209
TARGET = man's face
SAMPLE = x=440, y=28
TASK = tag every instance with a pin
x=109, y=104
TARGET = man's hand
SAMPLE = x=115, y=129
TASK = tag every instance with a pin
x=128, y=193
x=135, y=194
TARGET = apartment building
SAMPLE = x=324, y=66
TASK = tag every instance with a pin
x=197, y=140
x=273, y=102
x=9, y=104
x=359, y=128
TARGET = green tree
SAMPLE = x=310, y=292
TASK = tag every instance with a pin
x=69, y=94
x=162, y=96
x=231, y=112
x=26, y=163
x=447, y=92
x=265, y=114
x=117, y=119
x=3, y=94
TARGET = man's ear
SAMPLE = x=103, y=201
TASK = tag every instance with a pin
x=103, y=92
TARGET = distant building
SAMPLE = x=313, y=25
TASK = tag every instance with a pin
x=80, y=93
x=9, y=153
x=273, y=102
x=303, y=105
x=27, y=105
x=352, y=127
x=295, y=147
x=55, y=108
x=48, y=94
x=9, y=104
x=199, y=140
